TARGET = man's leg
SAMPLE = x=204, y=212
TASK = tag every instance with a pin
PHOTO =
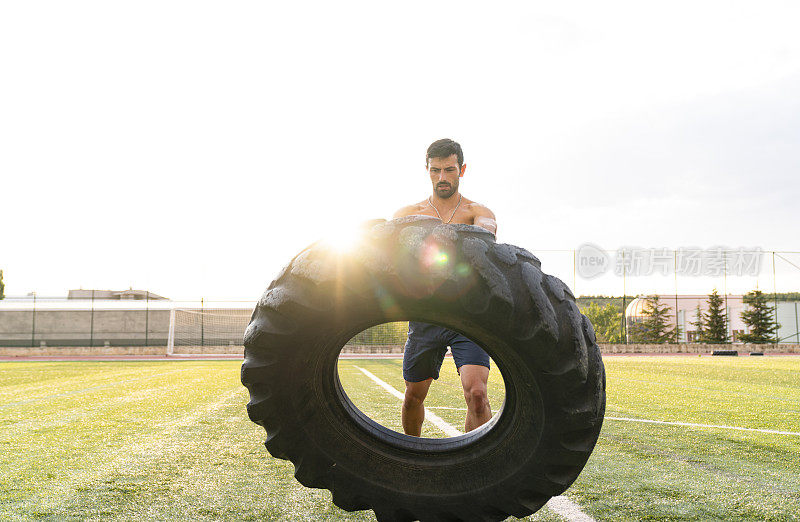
x=422, y=358
x=473, y=367
x=474, y=379
x=413, y=411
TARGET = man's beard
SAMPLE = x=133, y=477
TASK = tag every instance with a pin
x=446, y=191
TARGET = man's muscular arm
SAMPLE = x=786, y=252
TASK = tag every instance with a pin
x=484, y=218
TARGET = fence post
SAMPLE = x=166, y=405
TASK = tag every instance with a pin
x=728, y=327
x=171, y=334
x=33, y=321
x=675, y=273
x=624, y=297
x=574, y=269
x=91, y=324
x=775, y=296
x=147, y=320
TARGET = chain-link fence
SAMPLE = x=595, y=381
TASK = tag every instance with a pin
x=621, y=288
x=613, y=289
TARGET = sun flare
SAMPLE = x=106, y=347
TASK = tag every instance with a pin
x=343, y=239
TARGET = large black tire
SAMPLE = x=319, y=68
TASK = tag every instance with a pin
x=494, y=294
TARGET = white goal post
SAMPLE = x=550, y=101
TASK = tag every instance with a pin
x=206, y=329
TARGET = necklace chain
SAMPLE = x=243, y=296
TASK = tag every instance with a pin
x=451, y=215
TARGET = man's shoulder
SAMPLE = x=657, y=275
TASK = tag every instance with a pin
x=410, y=210
x=478, y=209
x=482, y=216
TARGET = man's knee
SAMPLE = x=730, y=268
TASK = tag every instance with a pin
x=415, y=394
x=477, y=398
x=412, y=400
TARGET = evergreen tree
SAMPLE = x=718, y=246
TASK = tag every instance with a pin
x=2, y=286
x=699, y=325
x=606, y=321
x=715, y=329
x=760, y=319
x=654, y=329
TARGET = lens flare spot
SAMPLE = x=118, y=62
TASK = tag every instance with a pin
x=343, y=239
x=441, y=258
x=462, y=269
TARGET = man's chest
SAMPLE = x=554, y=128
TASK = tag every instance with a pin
x=462, y=215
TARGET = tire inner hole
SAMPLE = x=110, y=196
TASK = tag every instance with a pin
x=370, y=370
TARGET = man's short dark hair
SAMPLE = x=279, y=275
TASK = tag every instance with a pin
x=444, y=148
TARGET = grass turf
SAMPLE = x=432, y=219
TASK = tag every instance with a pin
x=166, y=440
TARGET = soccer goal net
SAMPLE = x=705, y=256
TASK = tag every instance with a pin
x=221, y=330
x=206, y=327
x=381, y=334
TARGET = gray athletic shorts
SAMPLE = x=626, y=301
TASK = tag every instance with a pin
x=427, y=345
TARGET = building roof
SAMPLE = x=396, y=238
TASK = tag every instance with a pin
x=27, y=305
x=130, y=294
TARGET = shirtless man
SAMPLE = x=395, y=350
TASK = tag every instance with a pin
x=427, y=344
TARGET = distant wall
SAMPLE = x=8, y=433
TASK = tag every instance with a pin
x=630, y=348
x=697, y=348
x=19, y=328
x=94, y=351
x=80, y=351
x=606, y=349
x=373, y=348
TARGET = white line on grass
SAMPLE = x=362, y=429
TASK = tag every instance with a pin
x=437, y=421
x=669, y=423
x=693, y=425
x=112, y=384
x=561, y=505
x=568, y=509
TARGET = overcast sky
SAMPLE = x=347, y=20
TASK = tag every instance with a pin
x=192, y=148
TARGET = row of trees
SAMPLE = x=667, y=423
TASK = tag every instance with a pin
x=2, y=286
x=759, y=316
x=607, y=322
x=711, y=326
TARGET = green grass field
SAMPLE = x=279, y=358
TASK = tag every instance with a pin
x=167, y=440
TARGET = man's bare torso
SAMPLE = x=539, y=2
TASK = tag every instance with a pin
x=468, y=213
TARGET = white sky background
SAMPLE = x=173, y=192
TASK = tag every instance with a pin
x=192, y=148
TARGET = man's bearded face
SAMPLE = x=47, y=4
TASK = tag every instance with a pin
x=444, y=174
